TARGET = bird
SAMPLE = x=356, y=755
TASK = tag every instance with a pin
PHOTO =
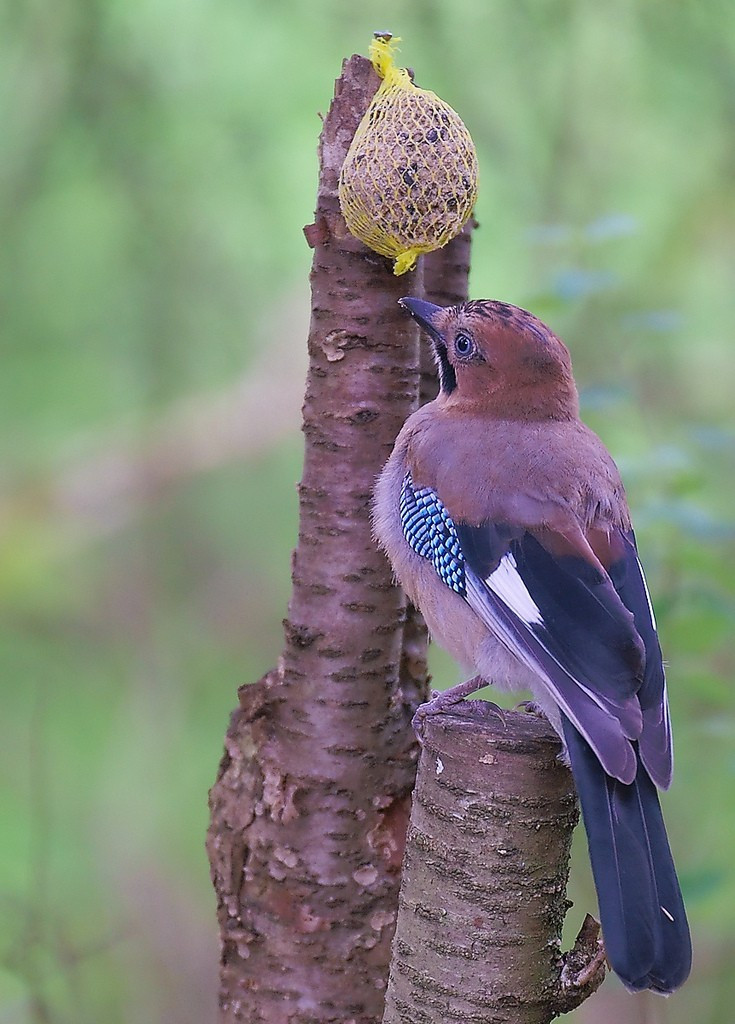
x=506, y=523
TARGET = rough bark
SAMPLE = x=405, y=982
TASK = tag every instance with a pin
x=483, y=896
x=310, y=807
x=446, y=271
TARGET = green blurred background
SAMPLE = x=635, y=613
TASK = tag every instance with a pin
x=158, y=163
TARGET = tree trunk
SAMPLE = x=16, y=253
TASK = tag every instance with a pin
x=483, y=895
x=311, y=804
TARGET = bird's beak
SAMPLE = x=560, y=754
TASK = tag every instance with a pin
x=425, y=314
x=428, y=316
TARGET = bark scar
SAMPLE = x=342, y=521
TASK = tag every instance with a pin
x=335, y=344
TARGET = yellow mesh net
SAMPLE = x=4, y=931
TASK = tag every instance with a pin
x=409, y=180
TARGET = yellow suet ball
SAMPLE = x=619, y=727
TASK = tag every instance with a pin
x=409, y=181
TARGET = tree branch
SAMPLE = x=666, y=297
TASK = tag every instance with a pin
x=113, y=479
x=483, y=896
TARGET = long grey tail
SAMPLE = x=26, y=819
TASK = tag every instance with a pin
x=644, y=923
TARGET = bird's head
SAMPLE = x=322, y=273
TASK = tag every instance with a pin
x=499, y=359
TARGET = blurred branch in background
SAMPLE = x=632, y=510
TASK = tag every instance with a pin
x=116, y=479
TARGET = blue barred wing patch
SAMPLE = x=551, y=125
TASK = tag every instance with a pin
x=429, y=530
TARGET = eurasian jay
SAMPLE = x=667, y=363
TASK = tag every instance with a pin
x=506, y=523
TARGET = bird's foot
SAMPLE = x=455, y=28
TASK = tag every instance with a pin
x=531, y=708
x=441, y=700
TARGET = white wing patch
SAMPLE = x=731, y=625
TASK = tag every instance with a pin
x=506, y=582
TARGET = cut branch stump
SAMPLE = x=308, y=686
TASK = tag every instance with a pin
x=483, y=895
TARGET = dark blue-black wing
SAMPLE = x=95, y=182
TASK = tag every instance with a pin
x=548, y=599
x=618, y=553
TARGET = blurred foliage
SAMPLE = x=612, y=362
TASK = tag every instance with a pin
x=158, y=164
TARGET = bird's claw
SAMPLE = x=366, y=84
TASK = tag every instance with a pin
x=434, y=706
x=442, y=700
x=531, y=708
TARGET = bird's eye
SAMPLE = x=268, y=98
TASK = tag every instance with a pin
x=464, y=346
